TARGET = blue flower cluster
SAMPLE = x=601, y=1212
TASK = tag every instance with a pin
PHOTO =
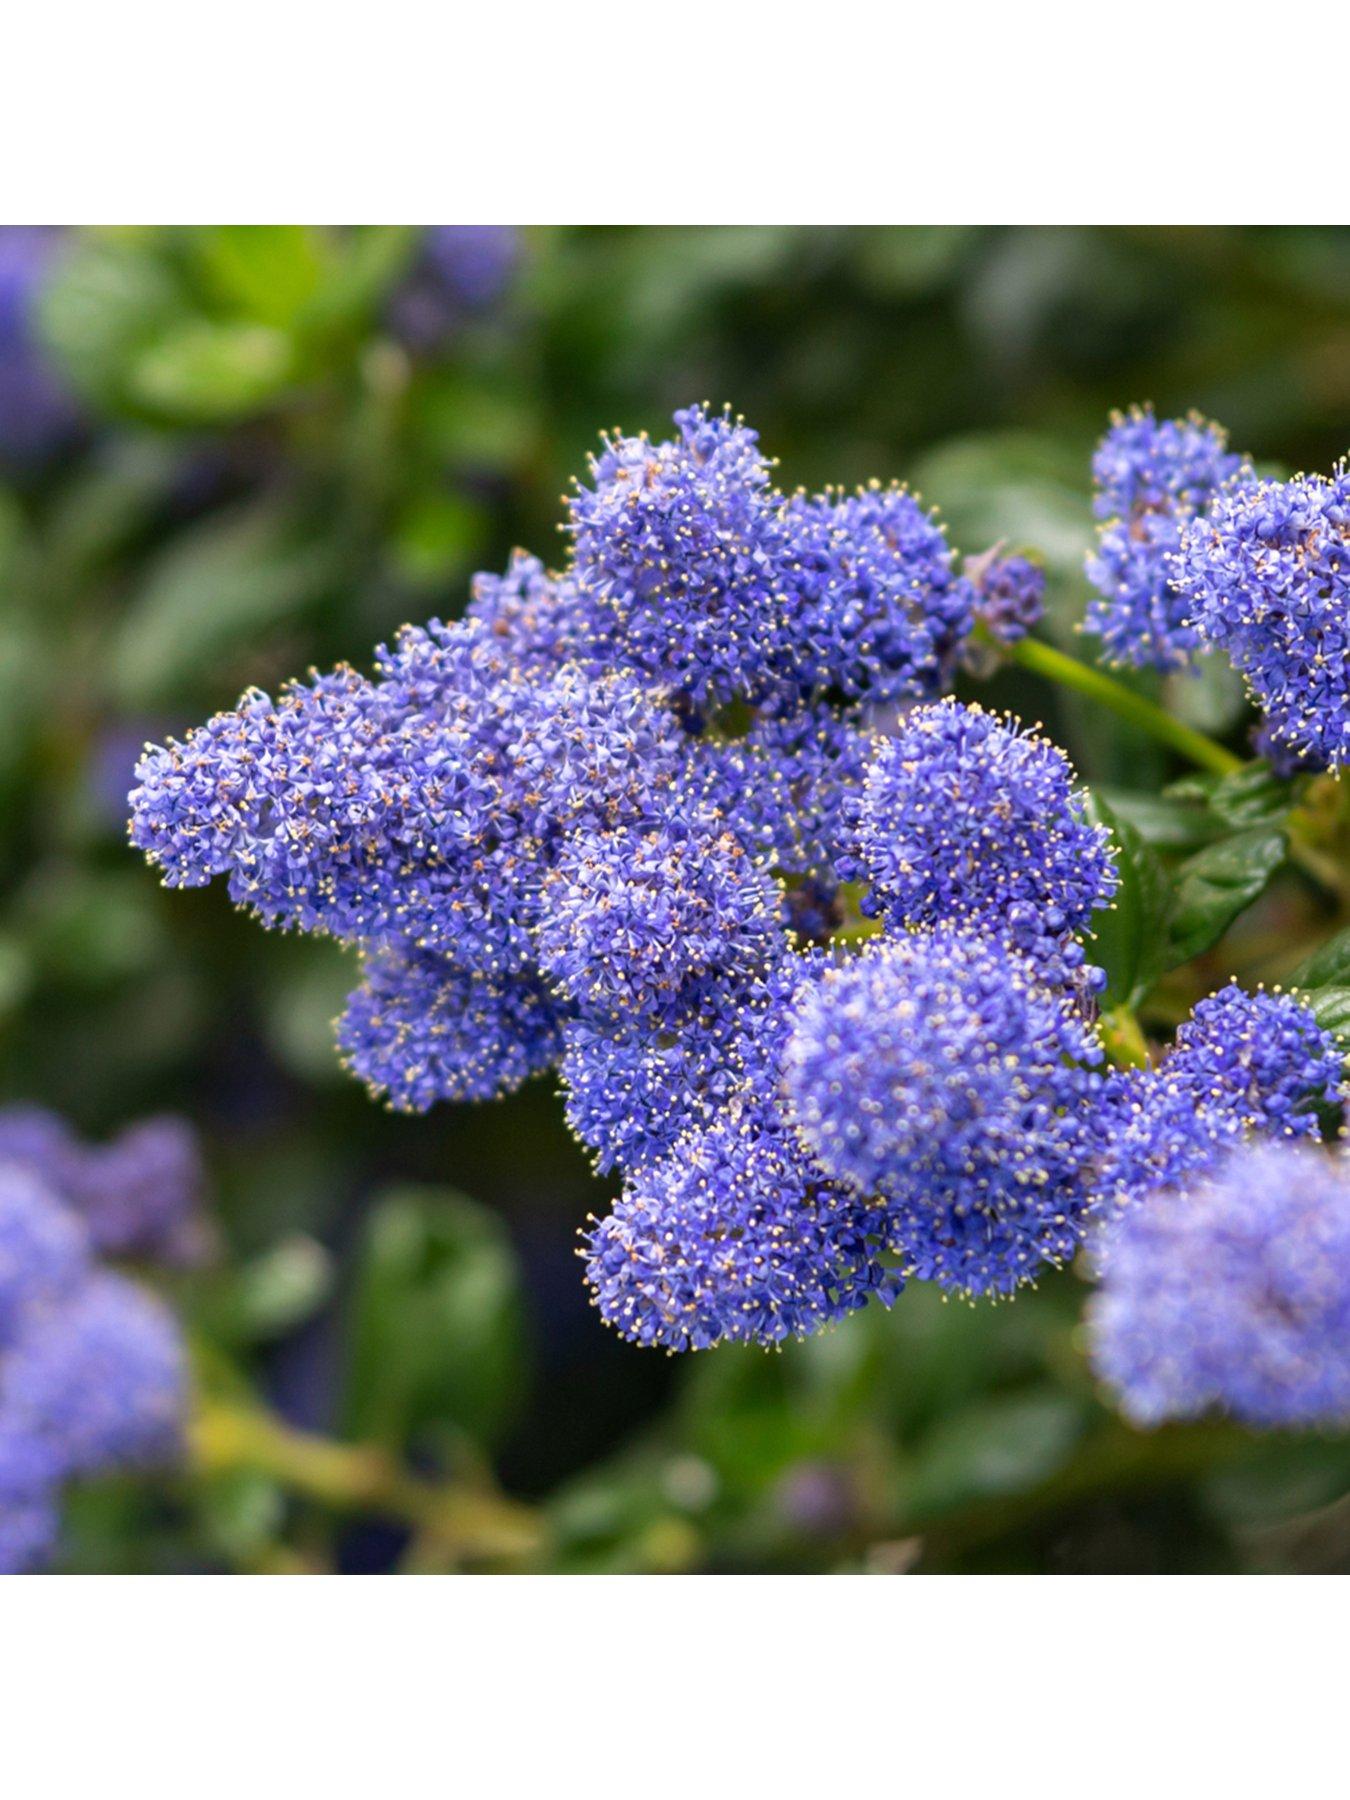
x=92, y=1368
x=686, y=822
x=966, y=818
x=1265, y=575
x=139, y=1197
x=1009, y=594
x=1232, y=1293
x=1153, y=478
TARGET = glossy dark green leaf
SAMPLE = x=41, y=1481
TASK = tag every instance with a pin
x=1167, y=824
x=1330, y=1006
x=1252, y=795
x=436, y=1333
x=1004, y=1446
x=1216, y=884
x=1131, y=933
x=1327, y=967
x=270, y=1295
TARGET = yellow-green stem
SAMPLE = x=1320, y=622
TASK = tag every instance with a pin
x=466, y=1523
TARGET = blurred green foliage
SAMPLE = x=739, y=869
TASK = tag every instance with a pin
x=268, y=478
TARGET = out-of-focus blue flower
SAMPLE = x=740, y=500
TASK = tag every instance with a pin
x=935, y=1073
x=735, y=1237
x=966, y=818
x=1265, y=575
x=38, y=416
x=138, y=1196
x=459, y=271
x=1233, y=1293
x=93, y=1372
x=1153, y=478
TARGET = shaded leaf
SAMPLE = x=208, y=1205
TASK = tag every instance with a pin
x=1132, y=932
x=437, y=1334
x=1327, y=967
x=1218, y=883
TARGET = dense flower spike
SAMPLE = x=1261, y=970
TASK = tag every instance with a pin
x=681, y=550
x=734, y=1237
x=1266, y=577
x=1232, y=1294
x=93, y=1372
x=935, y=1073
x=420, y=1030
x=883, y=612
x=965, y=817
x=1153, y=478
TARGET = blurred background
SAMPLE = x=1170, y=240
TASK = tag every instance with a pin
x=227, y=454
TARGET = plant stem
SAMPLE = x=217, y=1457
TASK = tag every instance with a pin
x=1146, y=715
x=466, y=1524
x=1124, y=1039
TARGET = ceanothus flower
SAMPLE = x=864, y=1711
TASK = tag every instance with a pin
x=735, y=1237
x=680, y=550
x=966, y=818
x=459, y=270
x=1009, y=593
x=1244, y=1065
x=1266, y=577
x=631, y=918
x=38, y=415
x=93, y=1371
x=138, y=1196
x=419, y=1030
x=44, y=1251
x=1153, y=478
x=1232, y=1292
x=935, y=1073
x=101, y=1379
x=884, y=610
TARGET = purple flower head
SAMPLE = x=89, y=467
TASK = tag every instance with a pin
x=883, y=610
x=934, y=1073
x=139, y=1196
x=734, y=1238
x=419, y=1030
x=1265, y=576
x=1244, y=1065
x=1010, y=594
x=680, y=551
x=964, y=817
x=1152, y=480
x=459, y=271
x=44, y=1250
x=101, y=1379
x=30, y=1519
x=1232, y=1292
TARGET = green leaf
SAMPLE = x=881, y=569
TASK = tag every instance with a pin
x=205, y=373
x=1218, y=883
x=212, y=591
x=109, y=297
x=1000, y=1447
x=1330, y=1006
x=272, y=1294
x=437, y=1331
x=1131, y=933
x=1252, y=795
x=1167, y=824
x=1327, y=967
x=269, y=273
